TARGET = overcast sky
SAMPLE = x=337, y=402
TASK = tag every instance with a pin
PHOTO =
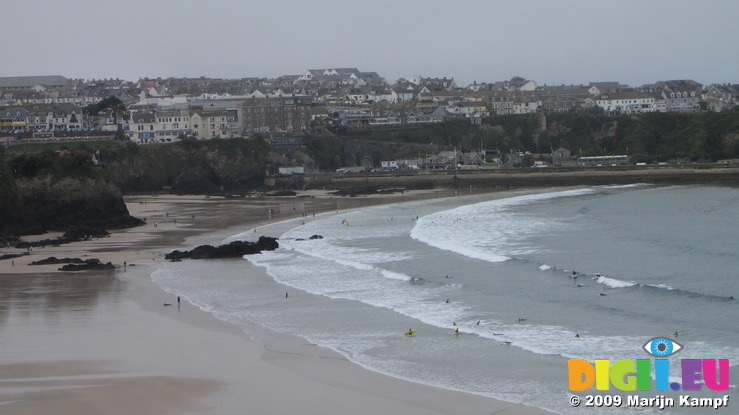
x=548, y=41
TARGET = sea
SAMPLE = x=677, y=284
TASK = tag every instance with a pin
x=498, y=287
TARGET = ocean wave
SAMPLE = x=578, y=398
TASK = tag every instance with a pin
x=660, y=286
x=506, y=233
x=395, y=275
x=613, y=283
x=625, y=186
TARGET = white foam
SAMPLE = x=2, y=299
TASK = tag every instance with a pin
x=625, y=186
x=614, y=283
x=506, y=234
x=661, y=286
x=395, y=275
x=545, y=267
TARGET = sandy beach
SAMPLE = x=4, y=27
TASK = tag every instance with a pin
x=105, y=342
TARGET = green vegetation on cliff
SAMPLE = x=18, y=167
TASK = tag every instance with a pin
x=56, y=191
x=703, y=136
x=190, y=166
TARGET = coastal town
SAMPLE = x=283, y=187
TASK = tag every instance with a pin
x=317, y=102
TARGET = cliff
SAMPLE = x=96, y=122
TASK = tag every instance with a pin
x=190, y=166
x=54, y=192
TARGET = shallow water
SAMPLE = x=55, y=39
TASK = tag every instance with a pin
x=665, y=259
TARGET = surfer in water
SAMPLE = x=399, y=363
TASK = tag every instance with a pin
x=577, y=335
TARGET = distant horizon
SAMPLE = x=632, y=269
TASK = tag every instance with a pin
x=390, y=82
x=568, y=42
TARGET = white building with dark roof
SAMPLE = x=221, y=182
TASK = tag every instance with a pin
x=628, y=102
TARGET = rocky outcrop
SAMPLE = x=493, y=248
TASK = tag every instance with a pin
x=93, y=264
x=235, y=249
x=15, y=220
x=36, y=203
x=190, y=166
x=60, y=204
x=52, y=260
x=195, y=181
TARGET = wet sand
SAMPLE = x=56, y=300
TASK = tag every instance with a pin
x=104, y=342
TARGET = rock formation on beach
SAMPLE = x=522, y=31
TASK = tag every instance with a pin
x=235, y=249
x=38, y=196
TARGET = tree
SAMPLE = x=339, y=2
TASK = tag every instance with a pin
x=111, y=103
x=120, y=135
x=324, y=150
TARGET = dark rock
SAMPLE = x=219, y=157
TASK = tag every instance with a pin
x=55, y=260
x=235, y=249
x=89, y=264
x=12, y=256
x=316, y=237
x=81, y=232
x=195, y=181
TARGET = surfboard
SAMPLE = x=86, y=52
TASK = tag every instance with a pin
x=410, y=332
x=506, y=343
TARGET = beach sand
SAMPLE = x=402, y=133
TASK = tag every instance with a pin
x=104, y=342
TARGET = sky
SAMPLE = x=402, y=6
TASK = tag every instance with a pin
x=634, y=42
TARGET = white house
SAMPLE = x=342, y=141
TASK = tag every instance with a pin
x=629, y=102
x=151, y=126
x=525, y=105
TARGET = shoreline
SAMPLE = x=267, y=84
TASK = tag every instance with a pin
x=179, y=358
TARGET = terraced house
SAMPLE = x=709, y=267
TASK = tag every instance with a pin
x=279, y=114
